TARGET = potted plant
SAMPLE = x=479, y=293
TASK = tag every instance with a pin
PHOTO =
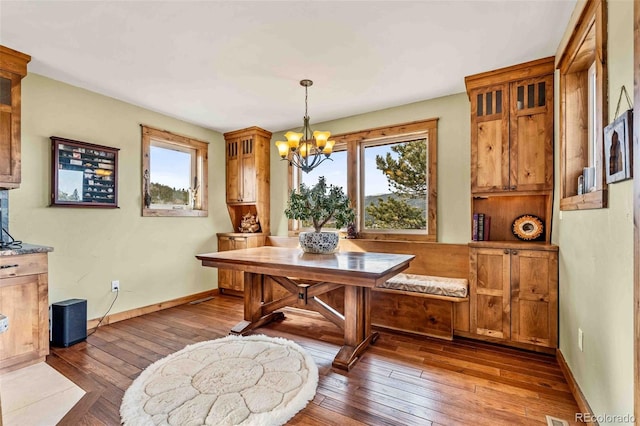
x=320, y=204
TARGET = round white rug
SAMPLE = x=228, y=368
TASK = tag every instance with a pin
x=235, y=380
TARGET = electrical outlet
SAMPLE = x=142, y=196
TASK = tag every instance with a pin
x=580, y=338
x=4, y=323
x=115, y=285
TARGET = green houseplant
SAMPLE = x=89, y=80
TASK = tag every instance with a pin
x=320, y=204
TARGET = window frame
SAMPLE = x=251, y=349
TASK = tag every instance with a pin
x=183, y=144
x=363, y=145
x=354, y=142
x=587, y=46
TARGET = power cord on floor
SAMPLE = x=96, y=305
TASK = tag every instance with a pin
x=106, y=313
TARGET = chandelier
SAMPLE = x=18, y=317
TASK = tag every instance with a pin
x=306, y=150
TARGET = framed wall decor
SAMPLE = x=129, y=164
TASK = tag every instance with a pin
x=618, y=148
x=83, y=174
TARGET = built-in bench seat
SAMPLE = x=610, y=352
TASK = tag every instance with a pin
x=419, y=303
x=435, y=315
x=428, y=284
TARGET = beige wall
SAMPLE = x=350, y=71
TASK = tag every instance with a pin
x=596, y=262
x=152, y=257
x=454, y=193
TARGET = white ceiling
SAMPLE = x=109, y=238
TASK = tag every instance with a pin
x=226, y=65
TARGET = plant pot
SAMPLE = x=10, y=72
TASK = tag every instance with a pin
x=319, y=242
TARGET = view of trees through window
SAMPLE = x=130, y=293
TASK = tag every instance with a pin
x=399, y=203
x=394, y=183
x=171, y=172
x=334, y=172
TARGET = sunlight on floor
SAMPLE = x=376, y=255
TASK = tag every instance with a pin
x=36, y=395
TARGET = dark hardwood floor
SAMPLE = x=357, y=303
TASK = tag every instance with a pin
x=401, y=380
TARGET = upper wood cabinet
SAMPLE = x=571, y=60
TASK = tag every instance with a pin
x=241, y=170
x=247, y=175
x=512, y=128
x=13, y=67
x=512, y=145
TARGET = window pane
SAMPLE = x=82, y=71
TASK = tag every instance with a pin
x=334, y=172
x=395, y=186
x=171, y=175
x=5, y=91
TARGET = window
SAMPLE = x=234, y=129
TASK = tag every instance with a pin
x=335, y=173
x=394, y=176
x=583, y=110
x=174, y=174
x=389, y=173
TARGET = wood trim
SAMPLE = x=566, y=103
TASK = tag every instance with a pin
x=432, y=185
x=503, y=344
x=591, y=200
x=202, y=170
x=132, y=313
x=512, y=73
x=14, y=61
x=386, y=131
x=636, y=210
x=517, y=245
x=573, y=386
x=583, y=47
x=451, y=299
x=578, y=36
x=253, y=130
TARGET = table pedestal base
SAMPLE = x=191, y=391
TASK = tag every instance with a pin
x=260, y=309
x=348, y=355
x=243, y=327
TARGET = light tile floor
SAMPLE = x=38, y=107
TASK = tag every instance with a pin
x=36, y=396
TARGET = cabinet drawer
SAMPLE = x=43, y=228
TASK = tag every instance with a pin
x=27, y=264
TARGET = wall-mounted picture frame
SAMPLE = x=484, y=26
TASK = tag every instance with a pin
x=618, y=148
x=83, y=174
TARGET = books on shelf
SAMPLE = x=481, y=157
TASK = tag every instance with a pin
x=481, y=228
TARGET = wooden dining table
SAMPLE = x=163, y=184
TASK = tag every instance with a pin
x=306, y=276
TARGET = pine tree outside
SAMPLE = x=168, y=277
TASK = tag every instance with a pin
x=403, y=206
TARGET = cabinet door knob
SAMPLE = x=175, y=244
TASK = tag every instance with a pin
x=513, y=188
x=514, y=251
x=506, y=251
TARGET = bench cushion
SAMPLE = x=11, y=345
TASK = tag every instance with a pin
x=453, y=287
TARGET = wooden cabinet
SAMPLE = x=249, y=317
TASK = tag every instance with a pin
x=512, y=136
x=13, y=67
x=514, y=293
x=512, y=144
x=24, y=300
x=241, y=170
x=490, y=291
x=234, y=280
x=248, y=174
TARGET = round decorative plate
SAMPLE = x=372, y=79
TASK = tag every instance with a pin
x=528, y=227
